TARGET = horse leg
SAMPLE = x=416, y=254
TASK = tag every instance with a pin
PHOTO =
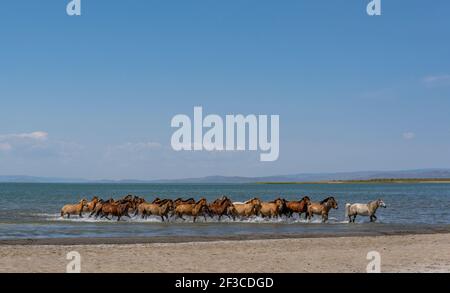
x=324, y=218
x=179, y=215
x=195, y=218
x=68, y=216
x=162, y=218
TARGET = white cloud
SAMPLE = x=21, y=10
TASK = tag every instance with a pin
x=437, y=80
x=409, y=135
x=37, y=135
x=37, y=145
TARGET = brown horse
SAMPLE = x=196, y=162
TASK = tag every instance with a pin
x=322, y=208
x=161, y=210
x=221, y=207
x=74, y=209
x=98, y=207
x=272, y=209
x=192, y=209
x=90, y=206
x=248, y=208
x=299, y=207
x=115, y=209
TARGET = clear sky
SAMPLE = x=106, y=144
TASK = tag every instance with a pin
x=93, y=96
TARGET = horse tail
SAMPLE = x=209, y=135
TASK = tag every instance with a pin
x=347, y=209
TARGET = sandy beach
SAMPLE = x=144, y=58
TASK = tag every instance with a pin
x=399, y=253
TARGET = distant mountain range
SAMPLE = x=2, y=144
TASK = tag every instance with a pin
x=302, y=177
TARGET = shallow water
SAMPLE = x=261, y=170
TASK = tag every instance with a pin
x=32, y=210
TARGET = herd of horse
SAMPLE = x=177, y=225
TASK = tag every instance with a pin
x=135, y=206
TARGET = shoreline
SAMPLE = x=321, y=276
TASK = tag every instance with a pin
x=70, y=241
x=302, y=255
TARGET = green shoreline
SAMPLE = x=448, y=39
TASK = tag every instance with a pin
x=371, y=181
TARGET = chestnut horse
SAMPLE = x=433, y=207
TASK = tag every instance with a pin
x=299, y=207
x=115, y=209
x=322, y=208
x=192, y=209
x=98, y=207
x=221, y=207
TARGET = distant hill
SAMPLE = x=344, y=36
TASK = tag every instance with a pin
x=34, y=179
x=318, y=177
x=301, y=177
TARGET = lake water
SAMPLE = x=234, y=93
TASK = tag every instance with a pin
x=32, y=210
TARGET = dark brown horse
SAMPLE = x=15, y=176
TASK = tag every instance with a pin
x=299, y=207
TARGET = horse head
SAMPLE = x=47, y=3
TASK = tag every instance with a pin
x=306, y=200
x=381, y=203
x=202, y=202
x=331, y=202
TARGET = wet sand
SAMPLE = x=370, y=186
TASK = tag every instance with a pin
x=399, y=253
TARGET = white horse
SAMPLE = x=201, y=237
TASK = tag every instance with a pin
x=368, y=210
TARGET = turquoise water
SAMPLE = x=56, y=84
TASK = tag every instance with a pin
x=32, y=210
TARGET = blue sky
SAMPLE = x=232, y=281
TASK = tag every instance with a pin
x=93, y=96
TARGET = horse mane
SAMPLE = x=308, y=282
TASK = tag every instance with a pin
x=305, y=198
x=248, y=201
x=372, y=201
x=221, y=200
x=326, y=199
x=275, y=200
x=198, y=202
